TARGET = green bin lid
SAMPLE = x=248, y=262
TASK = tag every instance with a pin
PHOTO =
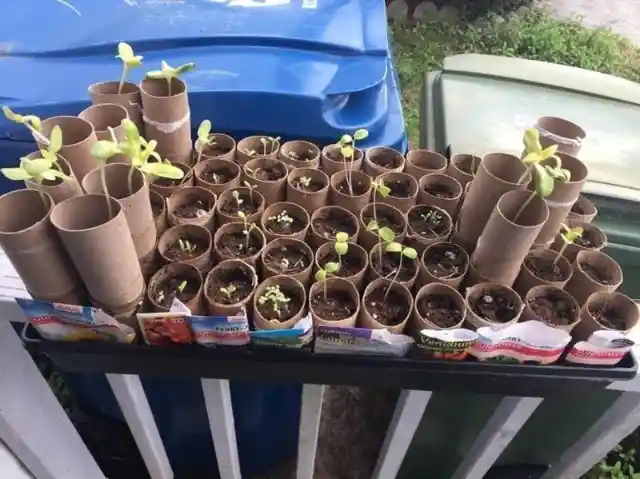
x=482, y=103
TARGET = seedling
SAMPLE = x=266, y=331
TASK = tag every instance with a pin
x=276, y=297
x=347, y=145
x=238, y=200
x=341, y=246
x=168, y=73
x=229, y=290
x=251, y=188
x=129, y=60
x=246, y=231
x=269, y=144
x=205, y=139
x=330, y=268
x=182, y=286
x=32, y=123
x=405, y=252
x=569, y=236
x=305, y=181
x=282, y=218
x=623, y=465
x=186, y=246
x=40, y=169
x=293, y=155
x=383, y=190
x=385, y=235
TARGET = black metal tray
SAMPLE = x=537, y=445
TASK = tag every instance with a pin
x=260, y=364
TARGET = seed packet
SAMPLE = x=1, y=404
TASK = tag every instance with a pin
x=294, y=338
x=379, y=342
x=211, y=331
x=603, y=348
x=65, y=322
x=449, y=344
x=165, y=329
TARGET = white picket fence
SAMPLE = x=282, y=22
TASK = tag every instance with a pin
x=36, y=430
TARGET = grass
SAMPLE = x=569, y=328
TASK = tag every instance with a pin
x=535, y=35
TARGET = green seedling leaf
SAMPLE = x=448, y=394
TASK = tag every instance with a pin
x=543, y=182
x=55, y=140
x=36, y=166
x=162, y=170
x=341, y=248
x=409, y=253
x=342, y=237
x=383, y=190
x=331, y=267
x=52, y=174
x=182, y=285
x=386, y=234
x=103, y=150
x=15, y=174
x=187, y=67
x=531, y=141
x=204, y=130
x=28, y=120
x=347, y=151
x=372, y=226
x=131, y=132
x=346, y=140
x=321, y=275
x=360, y=134
x=128, y=57
x=394, y=247
x=569, y=235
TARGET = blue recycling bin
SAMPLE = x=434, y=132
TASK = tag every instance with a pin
x=299, y=69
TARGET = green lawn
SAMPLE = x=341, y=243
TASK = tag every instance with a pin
x=535, y=35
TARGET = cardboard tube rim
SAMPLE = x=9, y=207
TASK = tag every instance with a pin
x=46, y=213
x=116, y=209
x=74, y=119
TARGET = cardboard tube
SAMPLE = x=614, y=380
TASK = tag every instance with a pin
x=272, y=190
x=366, y=320
x=105, y=116
x=327, y=250
x=423, y=162
x=222, y=275
x=214, y=152
x=394, y=180
x=107, y=92
x=375, y=157
x=165, y=275
x=332, y=161
x=460, y=165
x=488, y=289
x=284, y=244
x=35, y=250
x=290, y=209
x=166, y=191
x=101, y=248
x=368, y=239
x=624, y=307
x=335, y=284
x=551, y=292
x=188, y=195
x=78, y=138
x=217, y=166
x=497, y=174
x=310, y=201
x=583, y=210
x=438, y=249
x=557, y=131
x=167, y=118
x=571, y=250
x=505, y=241
x=418, y=323
x=527, y=279
x=361, y=187
x=252, y=147
x=288, y=286
x=136, y=206
x=292, y=152
x=171, y=237
x=450, y=205
x=581, y=285
x=61, y=191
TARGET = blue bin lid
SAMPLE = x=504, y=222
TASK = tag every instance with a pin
x=293, y=67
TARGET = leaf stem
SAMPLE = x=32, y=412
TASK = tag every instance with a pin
x=394, y=278
x=560, y=253
x=524, y=205
x=528, y=170
x=122, y=78
x=169, y=86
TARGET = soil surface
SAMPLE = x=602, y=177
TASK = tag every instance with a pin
x=544, y=269
x=553, y=309
x=158, y=180
x=438, y=190
x=385, y=219
x=218, y=175
x=336, y=305
x=334, y=153
x=287, y=259
x=334, y=223
x=429, y=222
x=589, y=239
x=301, y=155
x=237, y=281
x=248, y=206
x=196, y=208
x=495, y=307
x=608, y=317
x=390, y=264
x=467, y=165
x=174, y=253
x=577, y=209
x=389, y=310
x=284, y=311
x=285, y=227
x=399, y=188
x=350, y=264
x=359, y=188
x=156, y=208
x=439, y=309
x=216, y=150
x=312, y=186
x=446, y=261
x=269, y=173
x=234, y=245
x=164, y=293
x=386, y=159
x=596, y=274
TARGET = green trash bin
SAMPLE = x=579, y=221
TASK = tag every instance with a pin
x=480, y=104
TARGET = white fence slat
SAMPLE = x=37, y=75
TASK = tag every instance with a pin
x=33, y=425
x=217, y=399
x=511, y=414
x=404, y=423
x=310, y=412
x=10, y=467
x=133, y=402
x=620, y=420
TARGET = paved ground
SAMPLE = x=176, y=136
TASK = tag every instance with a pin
x=623, y=16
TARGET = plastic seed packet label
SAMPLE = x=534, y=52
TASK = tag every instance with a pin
x=603, y=348
x=294, y=338
x=379, y=342
x=450, y=344
x=211, y=331
x=65, y=322
x=528, y=342
x=165, y=329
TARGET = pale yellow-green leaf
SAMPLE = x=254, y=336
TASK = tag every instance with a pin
x=134, y=62
x=331, y=267
x=10, y=115
x=543, y=181
x=531, y=141
x=204, y=130
x=16, y=174
x=155, y=75
x=393, y=247
x=35, y=167
x=549, y=152
x=163, y=170
x=383, y=190
x=532, y=158
x=342, y=248
x=55, y=139
x=360, y=134
x=409, y=253
x=386, y=234
x=321, y=275
x=347, y=151
x=187, y=67
x=346, y=140
x=125, y=52
x=372, y=226
x=104, y=149
x=342, y=237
